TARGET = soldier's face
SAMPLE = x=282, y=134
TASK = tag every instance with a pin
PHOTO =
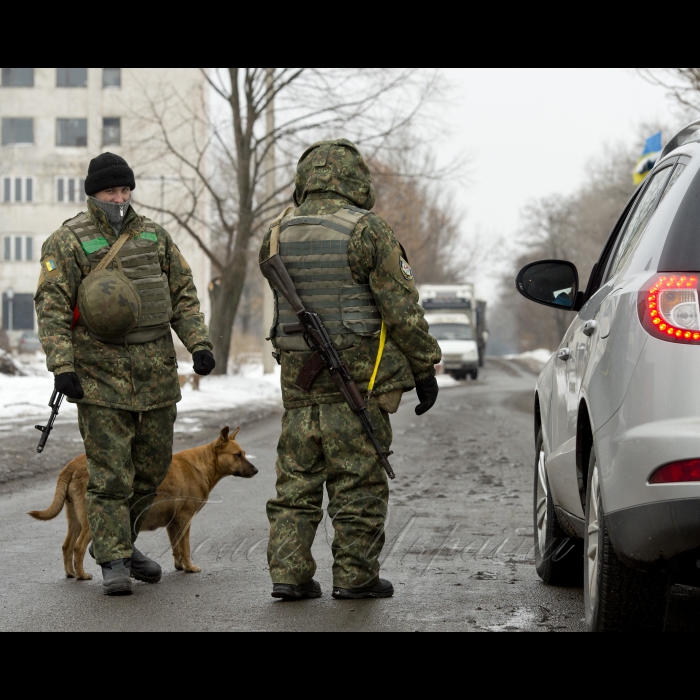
x=119, y=195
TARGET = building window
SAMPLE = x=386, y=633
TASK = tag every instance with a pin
x=18, y=77
x=17, y=189
x=17, y=130
x=71, y=132
x=70, y=189
x=71, y=77
x=19, y=316
x=111, y=77
x=111, y=131
x=18, y=248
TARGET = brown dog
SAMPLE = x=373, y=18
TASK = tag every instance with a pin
x=192, y=475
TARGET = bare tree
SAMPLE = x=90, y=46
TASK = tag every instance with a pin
x=682, y=84
x=421, y=214
x=222, y=158
x=569, y=228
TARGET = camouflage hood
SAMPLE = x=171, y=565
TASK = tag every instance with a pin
x=334, y=167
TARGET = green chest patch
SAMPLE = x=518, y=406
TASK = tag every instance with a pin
x=93, y=244
x=148, y=235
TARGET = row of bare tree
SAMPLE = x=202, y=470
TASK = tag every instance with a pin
x=223, y=153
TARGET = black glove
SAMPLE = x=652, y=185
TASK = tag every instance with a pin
x=69, y=384
x=204, y=362
x=427, y=390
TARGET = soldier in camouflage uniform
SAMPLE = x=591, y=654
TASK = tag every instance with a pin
x=126, y=387
x=347, y=266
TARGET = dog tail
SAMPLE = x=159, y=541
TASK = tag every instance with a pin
x=59, y=497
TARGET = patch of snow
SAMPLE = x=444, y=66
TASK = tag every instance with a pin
x=22, y=396
x=540, y=355
x=445, y=381
x=249, y=386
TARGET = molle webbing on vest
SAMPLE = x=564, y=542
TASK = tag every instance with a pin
x=140, y=263
x=315, y=251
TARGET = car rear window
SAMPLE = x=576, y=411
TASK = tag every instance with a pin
x=681, y=251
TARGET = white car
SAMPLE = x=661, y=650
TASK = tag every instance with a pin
x=617, y=407
x=455, y=336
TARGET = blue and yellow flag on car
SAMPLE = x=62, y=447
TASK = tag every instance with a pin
x=650, y=154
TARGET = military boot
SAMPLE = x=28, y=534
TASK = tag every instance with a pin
x=381, y=588
x=288, y=591
x=142, y=568
x=116, y=577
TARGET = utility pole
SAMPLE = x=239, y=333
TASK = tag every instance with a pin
x=268, y=301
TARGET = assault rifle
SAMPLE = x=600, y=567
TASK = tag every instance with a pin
x=325, y=353
x=54, y=403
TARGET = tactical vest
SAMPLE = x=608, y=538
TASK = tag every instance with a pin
x=141, y=265
x=314, y=250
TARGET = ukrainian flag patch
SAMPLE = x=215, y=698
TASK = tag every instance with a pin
x=50, y=265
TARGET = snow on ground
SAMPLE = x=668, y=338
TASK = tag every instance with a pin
x=29, y=395
x=445, y=381
x=541, y=355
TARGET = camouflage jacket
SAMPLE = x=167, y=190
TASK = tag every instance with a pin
x=135, y=377
x=411, y=353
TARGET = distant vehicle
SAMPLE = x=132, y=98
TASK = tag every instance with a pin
x=617, y=408
x=454, y=333
x=29, y=342
x=452, y=311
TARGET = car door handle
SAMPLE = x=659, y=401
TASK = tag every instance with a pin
x=564, y=354
x=589, y=327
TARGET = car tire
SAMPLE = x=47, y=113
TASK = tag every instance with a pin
x=474, y=374
x=617, y=598
x=558, y=557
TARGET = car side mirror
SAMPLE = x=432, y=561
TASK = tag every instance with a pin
x=550, y=282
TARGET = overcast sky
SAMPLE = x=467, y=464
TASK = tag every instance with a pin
x=531, y=132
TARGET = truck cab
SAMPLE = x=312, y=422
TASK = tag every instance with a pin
x=458, y=322
x=455, y=335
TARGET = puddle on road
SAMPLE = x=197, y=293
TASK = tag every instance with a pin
x=523, y=619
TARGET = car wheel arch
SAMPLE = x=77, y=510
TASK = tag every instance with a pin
x=584, y=445
x=538, y=415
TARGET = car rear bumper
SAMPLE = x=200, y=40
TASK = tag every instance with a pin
x=655, y=532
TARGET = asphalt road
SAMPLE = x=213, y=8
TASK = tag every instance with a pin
x=459, y=535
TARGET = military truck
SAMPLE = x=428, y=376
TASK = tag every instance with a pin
x=458, y=321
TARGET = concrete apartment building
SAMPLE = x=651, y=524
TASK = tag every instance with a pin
x=54, y=121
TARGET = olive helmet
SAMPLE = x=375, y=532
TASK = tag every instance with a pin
x=109, y=303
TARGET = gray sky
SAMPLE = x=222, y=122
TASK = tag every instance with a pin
x=531, y=133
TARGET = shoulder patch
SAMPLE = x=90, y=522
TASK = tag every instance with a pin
x=405, y=268
x=49, y=269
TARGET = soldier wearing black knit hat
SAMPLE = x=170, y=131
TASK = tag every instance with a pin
x=108, y=343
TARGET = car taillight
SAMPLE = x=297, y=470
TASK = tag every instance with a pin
x=687, y=470
x=668, y=307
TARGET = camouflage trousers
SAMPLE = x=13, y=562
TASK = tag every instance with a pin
x=128, y=456
x=326, y=444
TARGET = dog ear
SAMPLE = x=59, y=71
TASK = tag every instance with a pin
x=223, y=437
x=235, y=432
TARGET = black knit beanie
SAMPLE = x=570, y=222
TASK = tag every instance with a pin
x=108, y=170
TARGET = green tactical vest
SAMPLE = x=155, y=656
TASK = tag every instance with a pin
x=141, y=265
x=314, y=250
